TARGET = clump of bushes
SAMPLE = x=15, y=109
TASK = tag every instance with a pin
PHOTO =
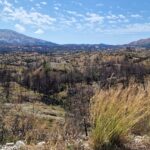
x=115, y=113
x=23, y=127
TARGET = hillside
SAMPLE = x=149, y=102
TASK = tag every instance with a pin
x=141, y=43
x=54, y=98
x=10, y=37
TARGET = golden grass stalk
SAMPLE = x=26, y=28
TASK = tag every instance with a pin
x=115, y=112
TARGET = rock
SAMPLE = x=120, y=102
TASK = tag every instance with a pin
x=41, y=143
x=141, y=139
x=86, y=146
x=138, y=139
x=10, y=144
x=20, y=144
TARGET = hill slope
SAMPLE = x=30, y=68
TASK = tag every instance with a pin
x=141, y=43
x=9, y=37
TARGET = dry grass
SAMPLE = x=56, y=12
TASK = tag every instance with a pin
x=115, y=112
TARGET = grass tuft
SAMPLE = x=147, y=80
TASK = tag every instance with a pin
x=115, y=112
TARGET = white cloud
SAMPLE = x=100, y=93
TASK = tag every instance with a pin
x=16, y=1
x=115, y=17
x=94, y=18
x=38, y=5
x=112, y=17
x=33, y=9
x=77, y=3
x=7, y=9
x=6, y=3
x=44, y=3
x=136, y=28
x=57, y=4
x=68, y=21
x=127, y=29
x=74, y=13
x=39, y=31
x=112, y=21
x=108, y=23
x=27, y=17
x=56, y=8
x=121, y=16
x=20, y=28
x=136, y=16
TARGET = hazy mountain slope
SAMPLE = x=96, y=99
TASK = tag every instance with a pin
x=13, y=41
x=9, y=37
x=141, y=43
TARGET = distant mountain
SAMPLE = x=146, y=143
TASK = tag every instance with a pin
x=9, y=37
x=88, y=47
x=141, y=43
x=13, y=41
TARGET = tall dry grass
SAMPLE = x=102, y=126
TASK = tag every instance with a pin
x=115, y=112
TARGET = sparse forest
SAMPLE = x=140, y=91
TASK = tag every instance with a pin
x=76, y=101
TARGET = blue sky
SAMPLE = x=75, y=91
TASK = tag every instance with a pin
x=78, y=21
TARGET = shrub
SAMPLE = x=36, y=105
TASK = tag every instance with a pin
x=115, y=112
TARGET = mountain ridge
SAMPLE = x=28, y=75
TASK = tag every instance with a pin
x=13, y=41
x=141, y=43
x=14, y=38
